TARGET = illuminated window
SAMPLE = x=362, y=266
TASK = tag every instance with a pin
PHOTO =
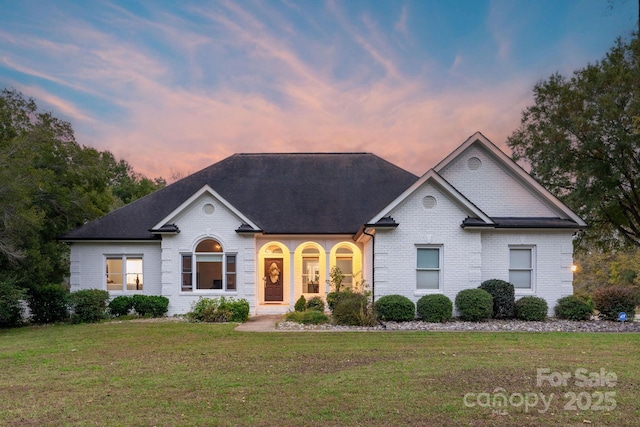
x=209, y=268
x=311, y=270
x=124, y=273
x=273, y=249
x=344, y=261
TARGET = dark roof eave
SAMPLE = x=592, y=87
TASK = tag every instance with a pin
x=478, y=227
x=165, y=229
x=309, y=233
x=531, y=223
x=384, y=223
x=247, y=231
x=152, y=238
x=379, y=226
x=534, y=227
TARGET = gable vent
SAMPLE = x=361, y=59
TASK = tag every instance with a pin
x=474, y=163
x=208, y=209
x=429, y=202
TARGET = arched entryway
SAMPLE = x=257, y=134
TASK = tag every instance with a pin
x=348, y=258
x=273, y=271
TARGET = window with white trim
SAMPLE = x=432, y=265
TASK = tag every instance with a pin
x=310, y=270
x=522, y=266
x=124, y=272
x=209, y=268
x=429, y=268
x=344, y=261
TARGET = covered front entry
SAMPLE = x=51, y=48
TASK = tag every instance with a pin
x=292, y=267
x=273, y=280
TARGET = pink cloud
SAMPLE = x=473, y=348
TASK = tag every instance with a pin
x=164, y=128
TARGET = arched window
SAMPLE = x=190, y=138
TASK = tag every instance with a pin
x=311, y=270
x=344, y=261
x=273, y=249
x=209, y=268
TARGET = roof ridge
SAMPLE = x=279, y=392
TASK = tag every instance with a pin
x=303, y=152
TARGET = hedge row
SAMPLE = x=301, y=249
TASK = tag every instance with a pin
x=142, y=305
x=54, y=303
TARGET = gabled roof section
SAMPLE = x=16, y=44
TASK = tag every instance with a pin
x=514, y=170
x=299, y=193
x=433, y=177
x=204, y=190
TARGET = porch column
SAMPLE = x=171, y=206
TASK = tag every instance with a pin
x=292, y=262
x=327, y=271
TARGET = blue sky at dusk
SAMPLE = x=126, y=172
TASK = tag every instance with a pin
x=176, y=86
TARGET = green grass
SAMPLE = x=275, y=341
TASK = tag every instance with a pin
x=172, y=373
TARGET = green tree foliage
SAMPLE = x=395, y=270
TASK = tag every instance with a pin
x=581, y=142
x=599, y=268
x=11, y=309
x=49, y=184
x=126, y=184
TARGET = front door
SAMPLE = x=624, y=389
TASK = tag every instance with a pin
x=273, y=273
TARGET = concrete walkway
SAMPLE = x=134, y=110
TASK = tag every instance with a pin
x=261, y=323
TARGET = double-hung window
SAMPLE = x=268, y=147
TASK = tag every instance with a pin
x=209, y=268
x=429, y=268
x=344, y=261
x=124, y=273
x=522, y=266
x=311, y=270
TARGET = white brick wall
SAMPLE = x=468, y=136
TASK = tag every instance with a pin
x=195, y=225
x=420, y=226
x=554, y=256
x=88, y=265
x=469, y=256
x=491, y=188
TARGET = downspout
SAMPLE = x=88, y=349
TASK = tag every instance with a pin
x=373, y=273
x=373, y=264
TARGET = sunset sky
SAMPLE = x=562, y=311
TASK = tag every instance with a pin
x=173, y=87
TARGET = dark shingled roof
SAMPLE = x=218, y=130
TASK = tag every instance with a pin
x=307, y=193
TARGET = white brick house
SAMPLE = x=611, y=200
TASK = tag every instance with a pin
x=269, y=228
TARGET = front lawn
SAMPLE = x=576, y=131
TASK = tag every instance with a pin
x=174, y=373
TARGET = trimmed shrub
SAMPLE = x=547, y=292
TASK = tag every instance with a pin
x=573, y=308
x=48, y=304
x=120, y=305
x=88, y=305
x=219, y=310
x=11, y=308
x=435, y=308
x=504, y=298
x=474, y=304
x=333, y=298
x=208, y=310
x=300, y=304
x=239, y=309
x=531, y=308
x=354, y=310
x=307, y=317
x=150, y=305
x=612, y=300
x=315, y=303
x=395, y=308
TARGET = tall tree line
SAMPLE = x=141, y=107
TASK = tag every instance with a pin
x=582, y=140
x=50, y=184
